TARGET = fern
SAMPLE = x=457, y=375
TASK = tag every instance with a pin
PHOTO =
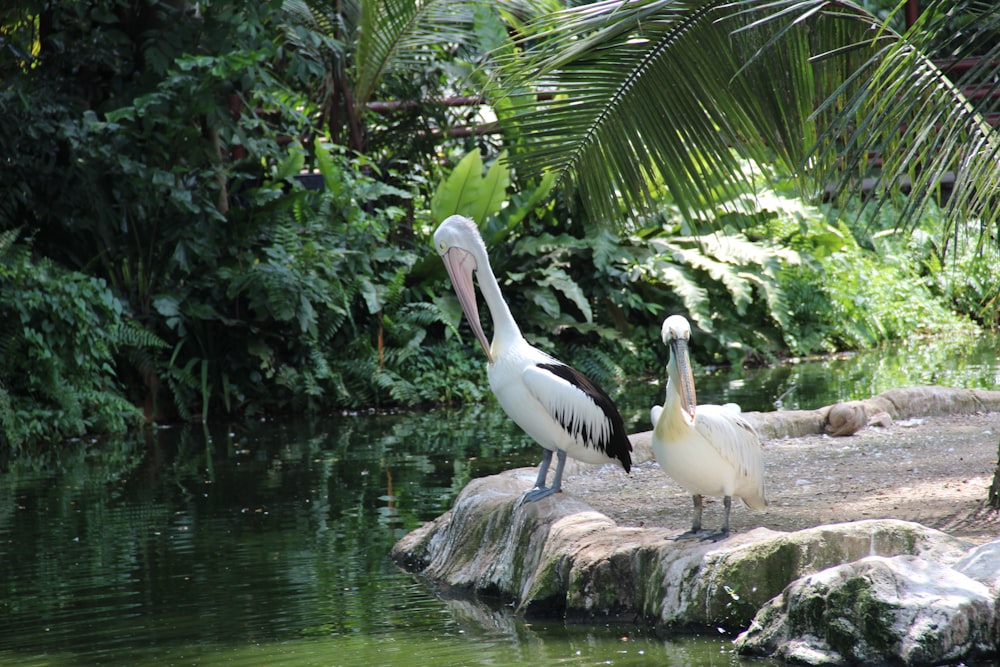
x=130, y=333
x=401, y=390
x=10, y=427
x=7, y=239
x=597, y=364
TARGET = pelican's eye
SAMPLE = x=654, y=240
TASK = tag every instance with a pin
x=442, y=246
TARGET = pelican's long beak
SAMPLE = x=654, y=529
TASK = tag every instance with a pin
x=685, y=376
x=460, y=265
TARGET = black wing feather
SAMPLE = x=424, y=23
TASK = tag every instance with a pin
x=617, y=445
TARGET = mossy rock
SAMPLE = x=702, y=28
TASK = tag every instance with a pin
x=877, y=610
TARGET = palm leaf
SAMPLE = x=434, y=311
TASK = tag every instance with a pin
x=612, y=137
x=397, y=35
x=653, y=96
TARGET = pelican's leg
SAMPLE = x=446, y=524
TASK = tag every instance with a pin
x=543, y=469
x=696, y=524
x=698, y=506
x=727, y=503
x=540, y=490
x=557, y=478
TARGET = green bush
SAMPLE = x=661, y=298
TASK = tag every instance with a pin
x=59, y=334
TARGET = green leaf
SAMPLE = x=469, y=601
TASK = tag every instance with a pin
x=458, y=188
x=546, y=300
x=467, y=192
x=371, y=296
x=560, y=280
x=292, y=164
x=493, y=191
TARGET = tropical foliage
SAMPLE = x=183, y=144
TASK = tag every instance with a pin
x=215, y=211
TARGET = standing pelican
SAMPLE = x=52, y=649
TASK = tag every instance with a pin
x=558, y=406
x=717, y=452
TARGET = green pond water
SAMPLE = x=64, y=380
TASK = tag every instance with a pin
x=267, y=543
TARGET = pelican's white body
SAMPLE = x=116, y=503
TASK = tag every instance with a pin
x=710, y=450
x=718, y=455
x=531, y=395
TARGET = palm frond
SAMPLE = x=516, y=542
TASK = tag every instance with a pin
x=621, y=118
x=628, y=101
x=902, y=121
x=396, y=35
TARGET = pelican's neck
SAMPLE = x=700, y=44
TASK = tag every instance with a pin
x=505, y=329
x=672, y=420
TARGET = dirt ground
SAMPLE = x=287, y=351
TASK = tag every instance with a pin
x=936, y=471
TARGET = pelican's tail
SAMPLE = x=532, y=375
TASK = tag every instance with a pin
x=654, y=414
x=757, y=501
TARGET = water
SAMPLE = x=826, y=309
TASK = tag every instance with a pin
x=268, y=543
x=969, y=362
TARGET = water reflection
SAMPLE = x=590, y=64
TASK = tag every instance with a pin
x=967, y=362
x=267, y=543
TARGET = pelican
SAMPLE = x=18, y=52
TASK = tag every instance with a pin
x=562, y=409
x=710, y=450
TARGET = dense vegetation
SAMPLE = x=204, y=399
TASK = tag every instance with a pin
x=162, y=256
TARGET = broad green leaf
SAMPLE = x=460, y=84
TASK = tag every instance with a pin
x=546, y=300
x=492, y=192
x=461, y=186
x=560, y=280
x=327, y=167
x=468, y=192
x=370, y=294
x=292, y=163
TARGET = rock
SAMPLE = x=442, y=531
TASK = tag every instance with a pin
x=880, y=419
x=787, y=423
x=893, y=404
x=877, y=610
x=560, y=557
x=932, y=401
x=983, y=565
x=846, y=418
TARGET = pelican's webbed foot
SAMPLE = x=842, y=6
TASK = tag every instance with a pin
x=537, y=493
x=693, y=534
x=714, y=535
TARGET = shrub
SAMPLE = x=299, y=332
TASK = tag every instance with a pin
x=59, y=333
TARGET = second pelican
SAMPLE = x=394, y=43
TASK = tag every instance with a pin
x=710, y=450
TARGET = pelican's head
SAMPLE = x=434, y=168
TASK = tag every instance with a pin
x=676, y=332
x=461, y=247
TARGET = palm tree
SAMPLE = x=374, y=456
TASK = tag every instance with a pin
x=626, y=101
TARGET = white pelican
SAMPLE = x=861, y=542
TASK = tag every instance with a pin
x=558, y=406
x=710, y=450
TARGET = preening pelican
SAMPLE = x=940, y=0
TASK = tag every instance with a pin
x=558, y=406
x=710, y=450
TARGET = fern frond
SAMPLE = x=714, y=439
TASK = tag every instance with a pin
x=684, y=286
x=7, y=238
x=130, y=333
x=738, y=288
x=422, y=313
x=597, y=364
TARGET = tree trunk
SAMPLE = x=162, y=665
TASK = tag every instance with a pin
x=994, y=497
